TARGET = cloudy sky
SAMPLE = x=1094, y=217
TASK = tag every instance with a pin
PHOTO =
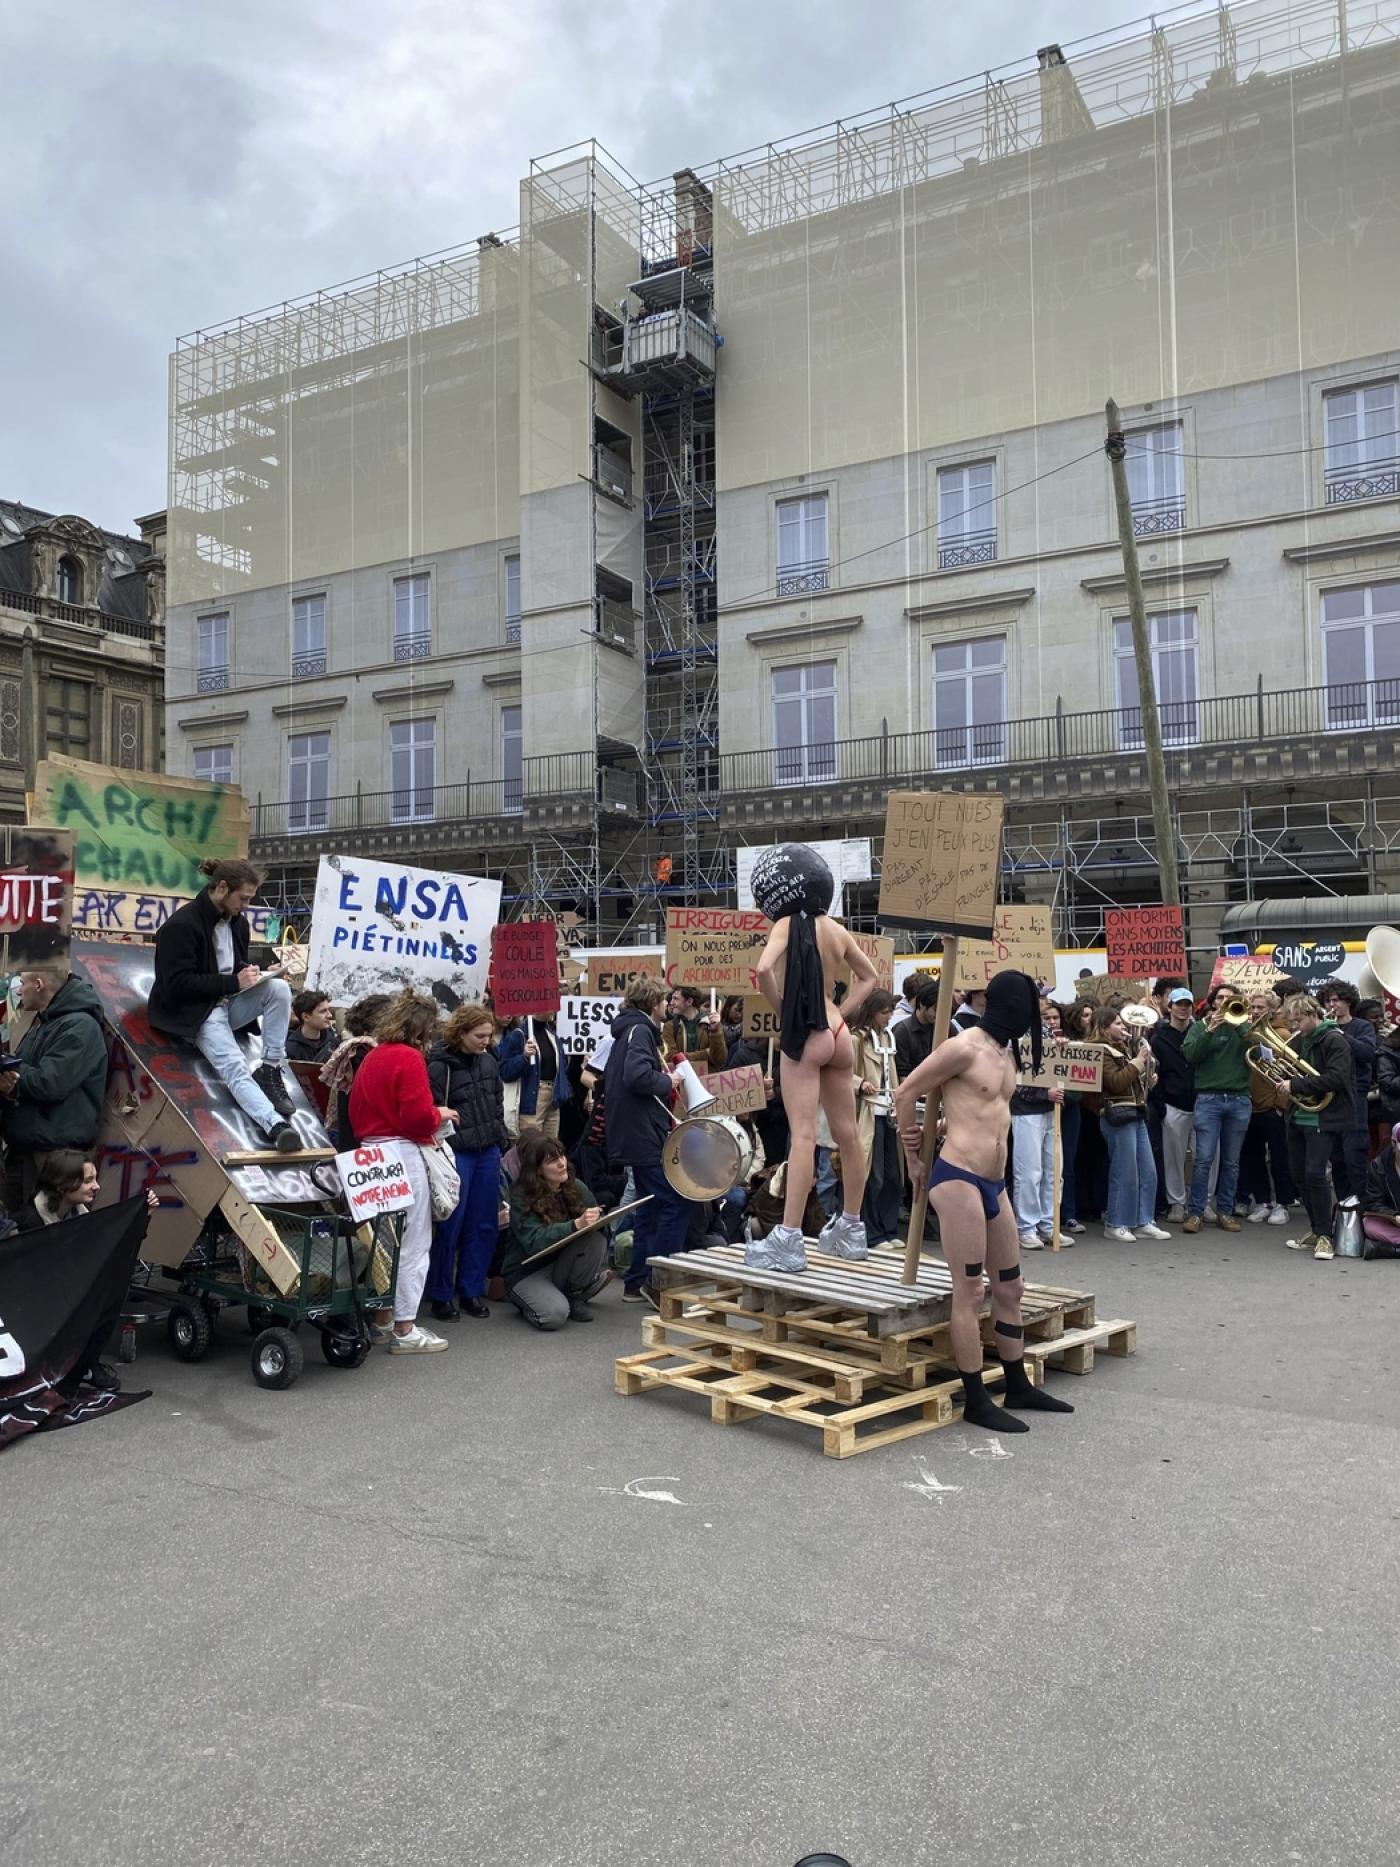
x=170, y=165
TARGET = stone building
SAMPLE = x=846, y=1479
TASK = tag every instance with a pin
x=82, y=645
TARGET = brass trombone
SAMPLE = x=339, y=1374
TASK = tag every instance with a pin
x=1283, y=1065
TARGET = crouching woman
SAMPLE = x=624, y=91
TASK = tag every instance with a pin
x=556, y=1250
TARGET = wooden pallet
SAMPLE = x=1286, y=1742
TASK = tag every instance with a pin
x=1073, y=1351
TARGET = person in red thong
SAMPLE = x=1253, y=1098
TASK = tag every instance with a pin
x=797, y=975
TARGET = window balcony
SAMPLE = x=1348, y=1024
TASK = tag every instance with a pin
x=1379, y=479
x=804, y=579
x=1154, y=516
x=415, y=647
x=513, y=629
x=969, y=548
x=212, y=681
x=307, y=667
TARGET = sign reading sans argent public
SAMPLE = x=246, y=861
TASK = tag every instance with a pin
x=1067, y=1066
x=375, y=1180
x=941, y=861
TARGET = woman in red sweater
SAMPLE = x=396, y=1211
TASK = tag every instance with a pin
x=392, y=1102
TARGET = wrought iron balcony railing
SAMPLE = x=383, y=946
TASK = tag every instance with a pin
x=307, y=667
x=212, y=681
x=1151, y=516
x=804, y=579
x=955, y=553
x=1377, y=479
x=415, y=647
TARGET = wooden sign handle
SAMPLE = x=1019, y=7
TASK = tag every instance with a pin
x=943, y=1017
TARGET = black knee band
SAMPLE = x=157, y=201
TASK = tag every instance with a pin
x=1009, y=1275
x=1011, y=1329
x=973, y=1270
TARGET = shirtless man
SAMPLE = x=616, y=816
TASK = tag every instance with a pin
x=797, y=975
x=967, y=1189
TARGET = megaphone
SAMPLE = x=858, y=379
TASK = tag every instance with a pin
x=694, y=1094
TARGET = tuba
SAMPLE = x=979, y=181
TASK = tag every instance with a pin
x=1283, y=1065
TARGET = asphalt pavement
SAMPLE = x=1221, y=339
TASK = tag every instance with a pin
x=476, y=1608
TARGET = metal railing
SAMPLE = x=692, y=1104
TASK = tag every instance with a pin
x=616, y=622
x=1379, y=479
x=1062, y=738
x=307, y=667
x=513, y=628
x=383, y=810
x=968, y=548
x=804, y=579
x=612, y=472
x=212, y=681
x=84, y=614
x=415, y=647
x=1151, y=516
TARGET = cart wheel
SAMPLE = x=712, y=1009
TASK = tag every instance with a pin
x=344, y=1351
x=126, y=1345
x=189, y=1331
x=276, y=1358
x=260, y=1319
x=211, y=1307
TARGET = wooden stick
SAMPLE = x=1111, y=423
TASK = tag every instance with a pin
x=943, y=1017
x=1056, y=1178
x=769, y=1071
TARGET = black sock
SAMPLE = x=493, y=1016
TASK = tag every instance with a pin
x=979, y=1409
x=1028, y=1399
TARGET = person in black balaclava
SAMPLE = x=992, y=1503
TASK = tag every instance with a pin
x=976, y=1072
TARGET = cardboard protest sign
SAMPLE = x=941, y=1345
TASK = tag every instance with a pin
x=1145, y=943
x=1022, y=941
x=524, y=969
x=761, y=1021
x=1251, y=972
x=379, y=926
x=139, y=838
x=1067, y=1066
x=736, y=1092
x=36, y=898
x=608, y=975
x=717, y=947
x=942, y=860
x=584, y=1023
x=1310, y=962
x=879, y=950
x=375, y=1180
x=1104, y=988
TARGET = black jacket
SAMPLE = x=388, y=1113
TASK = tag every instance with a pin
x=1360, y=1033
x=912, y=1043
x=188, y=983
x=471, y=1087
x=1331, y=1056
x=1382, y=1192
x=304, y=1050
x=63, y=1078
x=1388, y=1076
x=635, y=1123
x=1175, y=1087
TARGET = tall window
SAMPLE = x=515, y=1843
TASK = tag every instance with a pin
x=967, y=516
x=969, y=702
x=68, y=717
x=1361, y=655
x=211, y=650
x=413, y=769
x=803, y=563
x=804, y=723
x=308, y=782
x=1156, y=482
x=214, y=764
x=513, y=599
x=412, y=629
x=512, y=761
x=308, y=637
x=70, y=581
x=1362, y=447
x=1174, y=675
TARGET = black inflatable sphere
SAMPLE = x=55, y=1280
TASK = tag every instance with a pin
x=789, y=879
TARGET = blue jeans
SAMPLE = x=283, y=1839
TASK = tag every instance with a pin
x=269, y=1000
x=1220, y=1122
x=658, y=1228
x=824, y=1179
x=464, y=1245
x=1132, y=1176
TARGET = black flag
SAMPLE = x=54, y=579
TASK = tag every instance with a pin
x=61, y=1289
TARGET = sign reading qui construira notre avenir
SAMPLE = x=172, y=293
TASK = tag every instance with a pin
x=375, y=1181
x=378, y=926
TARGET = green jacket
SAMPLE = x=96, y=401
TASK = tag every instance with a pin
x=529, y=1233
x=63, y=1074
x=1217, y=1057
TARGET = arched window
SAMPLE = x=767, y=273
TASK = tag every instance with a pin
x=70, y=581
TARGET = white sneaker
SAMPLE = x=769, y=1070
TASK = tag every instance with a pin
x=1278, y=1215
x=418, y=1341
x=1176, y=1215
x=1323, y=1249
x=1152, y=1231
x=1120, y=1234
x=1211, y=1216
x=1257, y=1214
x=784, y=1249
x=1030, y=1241
x=844, y=1237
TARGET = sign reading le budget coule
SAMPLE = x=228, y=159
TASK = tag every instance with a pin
x=379, y=926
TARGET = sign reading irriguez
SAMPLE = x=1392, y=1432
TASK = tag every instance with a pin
x=1067, y=1066
x=1022, y=941
x=583, y=1023
x=942, y=860
x=717, y=947
x=375, y=1181
x=139, y=838
x=1145, y=943
x=36, y=898
x=524, y=969
x=377, y=927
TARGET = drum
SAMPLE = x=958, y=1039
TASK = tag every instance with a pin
x=708, y=1156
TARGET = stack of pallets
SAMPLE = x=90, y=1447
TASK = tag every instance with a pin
x=845, y=1348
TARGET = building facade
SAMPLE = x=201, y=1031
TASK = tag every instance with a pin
x=699, y=515
x=82, y=645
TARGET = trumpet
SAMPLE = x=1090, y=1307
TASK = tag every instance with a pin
x=1235, y=1012
x=1284, y=1064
